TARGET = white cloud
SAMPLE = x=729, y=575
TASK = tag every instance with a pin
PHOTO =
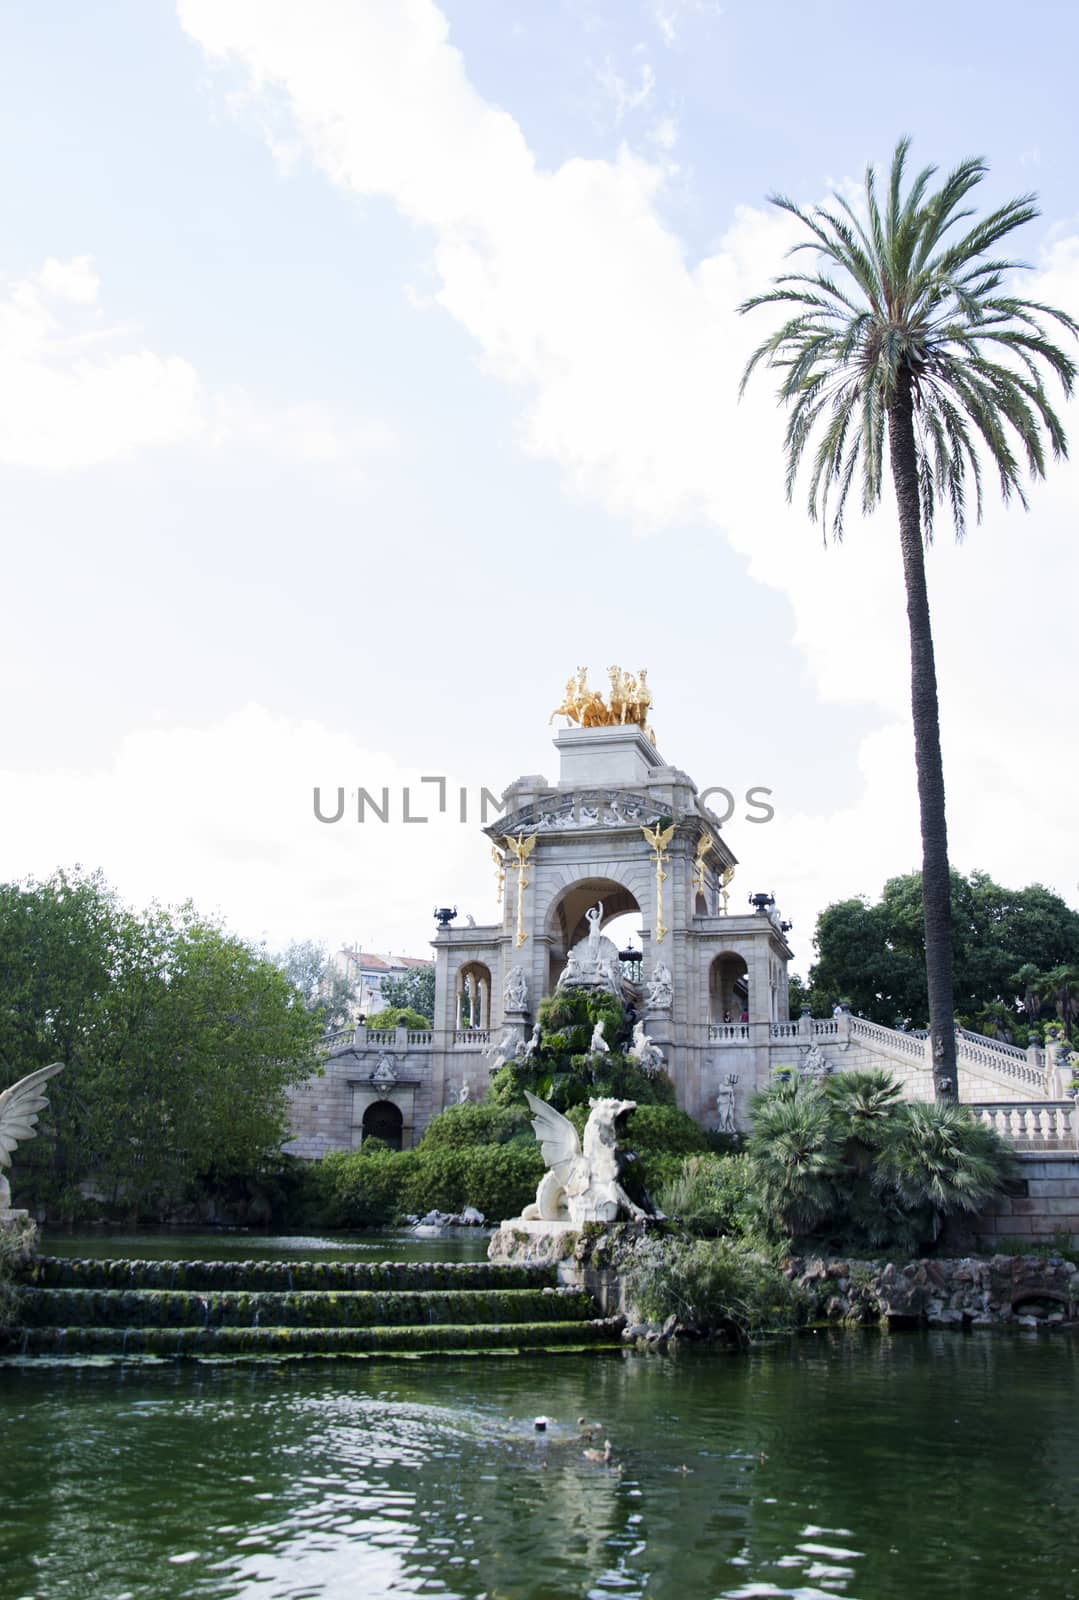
x=71, y=280
x=627, y=355
x=223, y=813
x=625, y=97
x=68, y=396
x=75, y=394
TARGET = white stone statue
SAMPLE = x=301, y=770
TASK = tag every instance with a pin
x=598, y=1046
x=20, y=1107
x=594, y=917
x=581, y=1184
x=515, y=990
x=533, y=1044
x=660, y=995
x=814, y=1063
x=462, y=1094
x=500, y=1053
x=648, y=1056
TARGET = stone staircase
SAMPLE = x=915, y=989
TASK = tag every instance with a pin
x=227, y=1310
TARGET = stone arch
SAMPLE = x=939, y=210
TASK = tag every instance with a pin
x=472, y=1007
x=384, y=1120
x=728, y=987
x=565, y=923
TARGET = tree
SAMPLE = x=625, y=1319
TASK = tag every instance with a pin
x=1005, y=943
x=414, y=991
x=324, y=988
x=179, y=1042
x=905, y=333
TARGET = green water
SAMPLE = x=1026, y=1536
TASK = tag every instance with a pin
x=868, y=1466
x=244, y=1244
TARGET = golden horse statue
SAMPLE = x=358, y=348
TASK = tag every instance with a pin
x=630, y=701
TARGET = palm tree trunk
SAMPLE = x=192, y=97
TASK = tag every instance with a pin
x=936, y=878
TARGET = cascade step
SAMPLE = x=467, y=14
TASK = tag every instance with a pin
x=348, y=1308
x=292, y=1341
x=68, y=1272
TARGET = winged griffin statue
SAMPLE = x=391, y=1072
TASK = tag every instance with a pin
x=20, y=1107
x=581, y=1183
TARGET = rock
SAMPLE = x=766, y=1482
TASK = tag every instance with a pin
x=471, y=1218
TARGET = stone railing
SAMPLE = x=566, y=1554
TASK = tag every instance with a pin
x=728, y=1033
x=359, y=1037
x=1050, y=1125
x=478, y=1038
x=977, y=1050
x=904, y=1043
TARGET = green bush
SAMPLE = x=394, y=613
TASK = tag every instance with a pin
x=362, y=1191
x=714, y=1286
x=499, y=1180
x=472, y=1124
x=368, y=1188
x=399, y=1017
x=710, y=1195
x=847, y=1166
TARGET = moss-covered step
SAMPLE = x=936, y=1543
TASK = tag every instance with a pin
x=69, y=1272
x=186, y=1342
x=349, y=1308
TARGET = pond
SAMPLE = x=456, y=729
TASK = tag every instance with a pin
x=872, y=1466
x=249, y=1244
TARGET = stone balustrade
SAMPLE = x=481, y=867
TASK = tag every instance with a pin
x=1045, y=1125
x=728, y=1033
x=472, y=1038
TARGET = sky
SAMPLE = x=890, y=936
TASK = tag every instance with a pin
x=367, y=366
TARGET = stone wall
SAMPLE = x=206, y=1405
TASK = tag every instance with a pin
x=1046, y=1202
x=1021, y=1291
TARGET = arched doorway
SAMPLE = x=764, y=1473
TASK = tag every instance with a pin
x=728, y=988
x=383, y=1120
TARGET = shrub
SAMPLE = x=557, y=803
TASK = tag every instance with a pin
x=849, y=1167
x=399, y=1017
x=17, y=1242
x=363, y=1191
x=499, y=1180
x=710, y=1195
x=714, y=1286
x=476, y=1124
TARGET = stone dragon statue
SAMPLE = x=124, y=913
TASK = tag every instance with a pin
x=581, y=1183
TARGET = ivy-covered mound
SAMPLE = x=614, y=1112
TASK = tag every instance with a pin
x=485, y=1155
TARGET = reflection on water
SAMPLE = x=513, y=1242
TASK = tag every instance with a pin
x=243, y=1244
x=873, y=1468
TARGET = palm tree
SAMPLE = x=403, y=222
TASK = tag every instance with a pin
x=907, y=331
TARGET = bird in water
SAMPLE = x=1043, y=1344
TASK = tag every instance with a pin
x=602, y=1456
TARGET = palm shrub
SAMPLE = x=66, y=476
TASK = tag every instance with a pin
x=849, y=1166
x=906, y=335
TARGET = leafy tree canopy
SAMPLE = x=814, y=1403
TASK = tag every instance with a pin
x=414, y=991
x=324, y=987
x=179, y=1041
x=873, y=955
